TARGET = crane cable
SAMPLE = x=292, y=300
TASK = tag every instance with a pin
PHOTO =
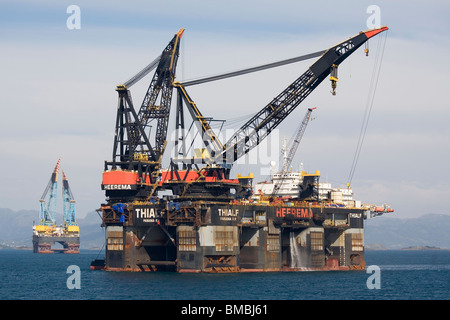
x=369, y=104
x=253, y=69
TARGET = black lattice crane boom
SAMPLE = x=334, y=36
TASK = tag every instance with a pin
x=137, y=152
x=155, y=107
x=269, y=117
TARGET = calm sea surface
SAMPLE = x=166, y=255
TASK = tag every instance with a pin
x=405, y=275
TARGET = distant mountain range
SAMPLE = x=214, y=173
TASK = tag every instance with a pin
x=430, y=230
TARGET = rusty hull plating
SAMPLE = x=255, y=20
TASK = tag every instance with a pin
x=242, y=236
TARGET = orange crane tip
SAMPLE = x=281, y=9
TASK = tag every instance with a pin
x=180, y=33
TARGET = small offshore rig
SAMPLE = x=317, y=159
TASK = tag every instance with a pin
x=46, y=233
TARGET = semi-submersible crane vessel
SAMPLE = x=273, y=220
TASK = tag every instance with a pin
x=46, y=232
x=212, y=222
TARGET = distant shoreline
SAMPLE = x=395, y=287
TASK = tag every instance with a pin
x=424, y=248
x=380, y=247
x=31, y=248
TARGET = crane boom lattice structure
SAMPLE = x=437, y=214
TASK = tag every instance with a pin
x=288, y=160
x=68, y=203
x=269, y=117
x=134, y=149
x=297, y=139
x=48, y=204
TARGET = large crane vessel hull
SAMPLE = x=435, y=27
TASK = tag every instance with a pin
x=237, y=237
x=48, y=244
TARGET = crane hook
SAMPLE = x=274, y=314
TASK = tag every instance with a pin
x=333, y=87
x=334, y=78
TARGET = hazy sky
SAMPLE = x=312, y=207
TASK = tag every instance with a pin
x=59, y=99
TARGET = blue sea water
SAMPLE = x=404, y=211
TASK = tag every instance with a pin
x=404, y=275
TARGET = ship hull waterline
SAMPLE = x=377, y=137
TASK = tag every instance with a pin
x=215, y=237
